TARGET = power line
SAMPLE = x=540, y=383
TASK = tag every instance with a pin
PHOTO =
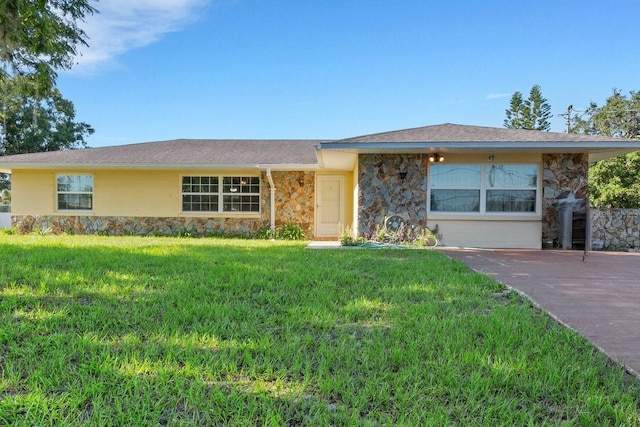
x=568, y=116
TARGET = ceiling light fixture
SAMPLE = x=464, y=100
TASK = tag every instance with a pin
x=436, y=158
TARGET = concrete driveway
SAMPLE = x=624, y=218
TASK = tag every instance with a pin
x=598, y=297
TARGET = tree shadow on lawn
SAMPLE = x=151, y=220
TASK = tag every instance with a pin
x=99, y=331
x=205, y=334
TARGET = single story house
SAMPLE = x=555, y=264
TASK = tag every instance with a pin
x=479, y=186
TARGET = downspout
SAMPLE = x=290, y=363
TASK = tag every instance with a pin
x=272, y=193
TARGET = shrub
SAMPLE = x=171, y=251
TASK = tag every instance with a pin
x=290, y=231
x=402, y=234
x=348, y=238
x=9, y=231
x=264, y=233
x=43, y=231
x=185, y=233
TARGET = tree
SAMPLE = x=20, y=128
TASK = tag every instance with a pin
x=540, y=110
x=619, y=117
x=533, y=113
x=32, y=123
x=516, y=112
x=614, y=183
x=39, y=37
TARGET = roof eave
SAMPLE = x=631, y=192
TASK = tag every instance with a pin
x=618, y=147
x=8, y=167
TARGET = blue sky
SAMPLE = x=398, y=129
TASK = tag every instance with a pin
x=165, y=69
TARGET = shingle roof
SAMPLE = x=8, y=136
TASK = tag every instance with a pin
x=243, y=153
x=451, y=138
x=187, y=152
x=449, y=132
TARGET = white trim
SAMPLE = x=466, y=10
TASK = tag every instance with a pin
x=483, y=213
x=221, y=194
x=77, y=211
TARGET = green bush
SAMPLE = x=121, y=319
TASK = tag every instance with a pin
x=185, y=233
x=348, y=238
x=288, y=231
x=403, y=234
x=9, y=231
x=43, y=231
x=264, y=233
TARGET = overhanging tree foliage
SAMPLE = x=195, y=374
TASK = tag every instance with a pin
x=614, y=183
x=531, y=113
x=39, y=37
x=619, y=117
x=32, y=123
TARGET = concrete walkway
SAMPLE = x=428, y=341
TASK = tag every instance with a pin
x=598, y=297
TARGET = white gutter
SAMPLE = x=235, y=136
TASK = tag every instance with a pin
x=272, y=193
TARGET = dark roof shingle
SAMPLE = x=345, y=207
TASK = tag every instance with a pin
x=186, y=152
x=449, y=132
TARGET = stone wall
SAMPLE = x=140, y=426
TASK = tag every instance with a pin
x=615, y=229
x=564, y=180
x=391, y=184
x=145, y=226
x=294, y=203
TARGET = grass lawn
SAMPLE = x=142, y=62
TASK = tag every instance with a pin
x=168, y=331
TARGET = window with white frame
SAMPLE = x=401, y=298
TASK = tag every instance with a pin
x=511, y=188
x=74, y=192
x=241, y=194
x=483, y=188
x=455, y=188
x=220, y=194
x=200, y=193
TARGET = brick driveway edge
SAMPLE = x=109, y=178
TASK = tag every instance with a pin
x=598, y=297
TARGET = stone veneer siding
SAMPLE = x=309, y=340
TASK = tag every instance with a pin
x=615, y=229
x=382, y=192
x=198, y=226
x=563, y=174
x=294, y=201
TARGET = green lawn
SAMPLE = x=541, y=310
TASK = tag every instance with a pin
x=169, y=331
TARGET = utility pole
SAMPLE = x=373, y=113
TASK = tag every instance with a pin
x=569, y=108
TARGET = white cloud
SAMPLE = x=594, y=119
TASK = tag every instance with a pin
x=498, y=95
x=123, y=25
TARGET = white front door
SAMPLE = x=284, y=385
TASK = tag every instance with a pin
x=330, y=205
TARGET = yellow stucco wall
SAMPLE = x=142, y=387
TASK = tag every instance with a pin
x=354, y=198
x=153, y=193
x=136, y=193
x=497, y=158
x=32, y=192
x=350, y=184
x=505, y=233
